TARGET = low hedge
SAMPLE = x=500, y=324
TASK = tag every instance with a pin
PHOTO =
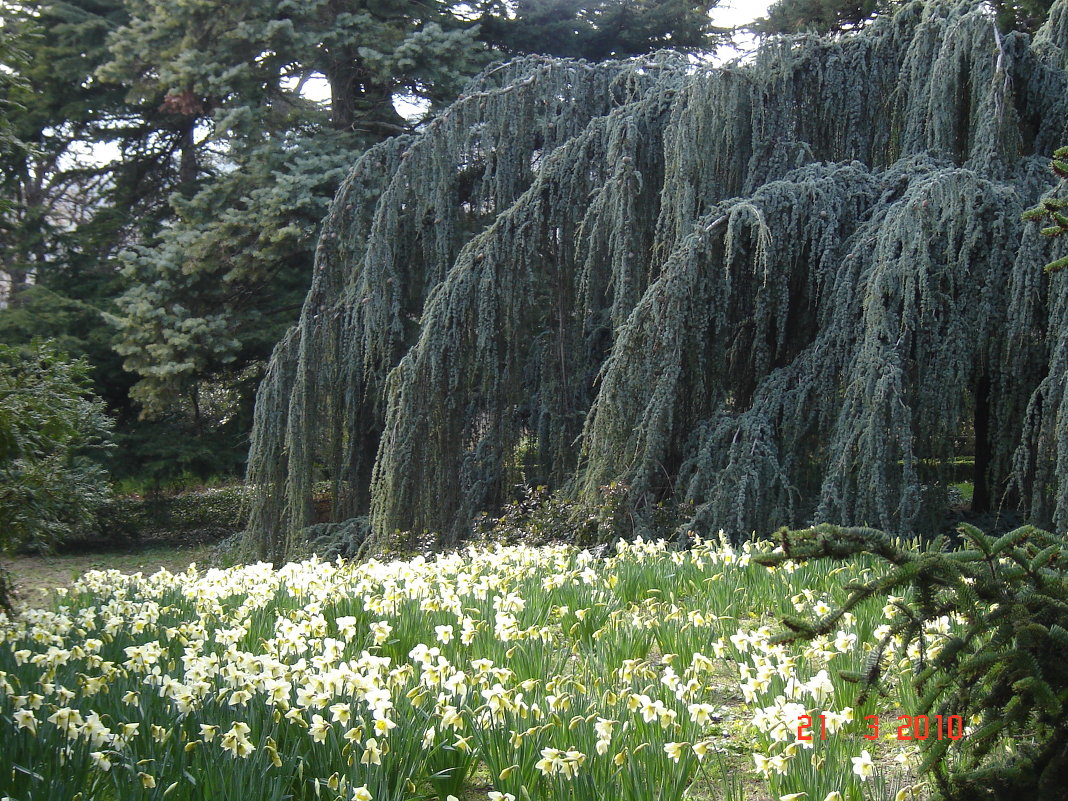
x=205, y=514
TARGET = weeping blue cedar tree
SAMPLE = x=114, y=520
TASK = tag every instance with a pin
x=837, y=16
x=783, y=292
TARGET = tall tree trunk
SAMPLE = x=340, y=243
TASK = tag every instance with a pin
x=188, y=167
x=359, y=103
x=342, y=77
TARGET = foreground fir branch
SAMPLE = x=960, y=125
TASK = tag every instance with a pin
x=1004, y=668
x=1051, y=209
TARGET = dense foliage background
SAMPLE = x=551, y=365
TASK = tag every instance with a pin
x=165, y=168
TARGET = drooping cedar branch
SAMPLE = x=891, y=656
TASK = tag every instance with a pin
x=789, y=291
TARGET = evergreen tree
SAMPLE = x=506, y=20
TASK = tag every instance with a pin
x=70, y=206
x=12, y=93
x=95, y=176
x=1003, y=669
x=599, y=29
x=836, y=16
x=1052, y=208
x=217, y=172
x=819, y=16
x=1021, y=15
x=794, y=290
x=211, y=293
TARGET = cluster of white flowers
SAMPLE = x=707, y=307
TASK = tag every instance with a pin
x=338, y=673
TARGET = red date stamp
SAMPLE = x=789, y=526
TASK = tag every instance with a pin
x=910, y=727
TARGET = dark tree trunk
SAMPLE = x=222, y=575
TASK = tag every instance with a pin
x=188, y=167
x=358, y=103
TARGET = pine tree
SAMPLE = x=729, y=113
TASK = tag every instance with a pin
x=596, y=30
x=95, y=175
x=12, y=92
x=211, y=293
x=1051, y=211
x=788, y=291
x=819, y=16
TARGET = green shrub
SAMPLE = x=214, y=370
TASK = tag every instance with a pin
x=347, y=539
x=1007, y=671
x=540, y=517
x=209, y=513
x=51, y=428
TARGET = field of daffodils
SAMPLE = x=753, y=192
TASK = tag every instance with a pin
x=504, y=673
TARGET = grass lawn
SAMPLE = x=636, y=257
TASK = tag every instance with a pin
x=35, y=577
